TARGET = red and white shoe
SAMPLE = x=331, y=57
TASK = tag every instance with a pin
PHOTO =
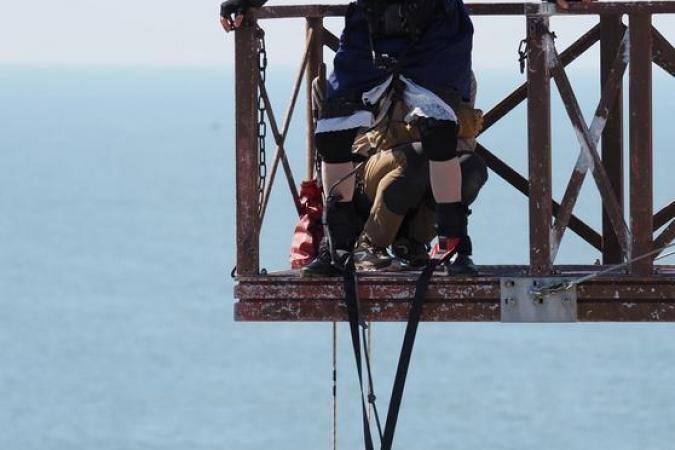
x=444, y=249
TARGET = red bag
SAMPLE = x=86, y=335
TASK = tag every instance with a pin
x=309, y=230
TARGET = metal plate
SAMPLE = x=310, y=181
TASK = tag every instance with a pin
x=531, y=300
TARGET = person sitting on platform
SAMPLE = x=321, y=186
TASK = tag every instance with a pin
x=423, y=45
x=393, y=195
x=384, y=42
x=395, y=184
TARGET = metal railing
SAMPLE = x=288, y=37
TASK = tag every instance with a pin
x=635, y=47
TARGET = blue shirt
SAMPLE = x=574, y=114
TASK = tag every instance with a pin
x=439, y=58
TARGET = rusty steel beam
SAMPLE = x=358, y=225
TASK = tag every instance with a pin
x=301, y=11
x=316, y=11
x=520, y=94
x=641, y=189
x=508, y=174
x=486, y=9
x=396, y=288
x=315, y=30
x=664, y=53
x=386, y=298
x=330, y=40
x=666, y=236
x=539, y=145
x=664, y=215
x=372, y=311
x=612, y=31
x=246, y=87
x=496, y=9
x=602, y=310
x=610, y=203
x=607, y=100
x=635, y=7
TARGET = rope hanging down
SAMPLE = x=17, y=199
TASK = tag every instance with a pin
x=355, y=322
x=334, y=380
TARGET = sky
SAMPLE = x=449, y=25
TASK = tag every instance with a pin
x=180, y=32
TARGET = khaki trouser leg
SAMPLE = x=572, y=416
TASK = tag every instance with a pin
x=421, y=226
x=380, y=171
x=377, y=167
x=395, y=181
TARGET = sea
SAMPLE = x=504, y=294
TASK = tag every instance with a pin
x=117, y=225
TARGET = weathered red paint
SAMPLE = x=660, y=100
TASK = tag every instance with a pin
x=287, y=297
x=539, y=145
x=641, y=189
x=485, y=9
x=612, y=31
x=314, y=27
x=246, y=85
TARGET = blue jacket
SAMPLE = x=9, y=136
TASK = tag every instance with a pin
x=440, y=58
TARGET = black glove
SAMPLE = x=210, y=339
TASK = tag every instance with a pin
x=238, y=7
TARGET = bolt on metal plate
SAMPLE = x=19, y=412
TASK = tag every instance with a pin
x=533, y=300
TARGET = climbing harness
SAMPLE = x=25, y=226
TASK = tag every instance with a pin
x=356, y=321
x=401, y=19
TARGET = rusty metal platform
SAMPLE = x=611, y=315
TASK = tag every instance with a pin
x=632, y=224
x=284, y=296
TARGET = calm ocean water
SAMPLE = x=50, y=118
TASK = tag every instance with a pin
x=116, y=330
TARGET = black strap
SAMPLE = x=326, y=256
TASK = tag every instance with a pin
x=354, y=313
x=406, y=353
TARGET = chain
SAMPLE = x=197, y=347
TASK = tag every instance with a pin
x=262, y=125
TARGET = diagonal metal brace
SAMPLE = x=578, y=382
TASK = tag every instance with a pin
x=588, y=145
x=585, y=160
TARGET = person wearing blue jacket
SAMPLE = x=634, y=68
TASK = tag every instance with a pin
x=421, y=48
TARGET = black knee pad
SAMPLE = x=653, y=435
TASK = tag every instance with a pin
x=439, y=138
x=336, y=146
x=474, y=175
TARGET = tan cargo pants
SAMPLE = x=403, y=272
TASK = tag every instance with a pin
x=396, y=182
